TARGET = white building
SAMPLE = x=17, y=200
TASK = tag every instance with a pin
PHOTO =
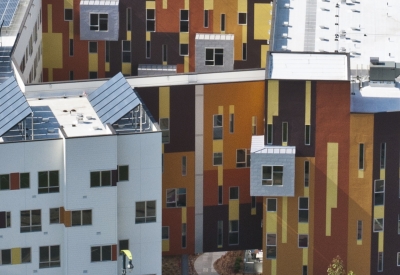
x=80, y=179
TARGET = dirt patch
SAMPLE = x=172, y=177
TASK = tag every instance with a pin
x=171, y=265
x=225, y=264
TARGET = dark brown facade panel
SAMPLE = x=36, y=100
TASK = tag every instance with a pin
x=14, y=178
x=150, y=97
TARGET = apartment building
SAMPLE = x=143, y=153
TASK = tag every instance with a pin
x=80, y=179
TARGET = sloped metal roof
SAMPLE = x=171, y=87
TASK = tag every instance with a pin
x=113, y=99
x=13, y=105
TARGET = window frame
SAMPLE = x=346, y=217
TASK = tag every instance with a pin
x=9, y=258
x=245, y=18
x=218, y=127
x=241, y=163
x=206, y=18
x=233, y=231
x=184, y=235
x=124, y=246
x=285, y=132
x=270, y=207
x=31, y=227
x=380, y=265
x=23, y=260
x=51, y=220
x=220, y=233
x=93, y=47
x=100, y=178
x=82, y=221
x=147, y=218
x=184, y=166
x=231, y=123
x=359, y=230
x=120, y=178
x=306, y=173
x=272, y=245
x=125, y=52
x=178, y=194
x=98, y=27
x=379, y=194
x=150, y=20
x=70, y=16
x=50, y=188
x=299, y=241
x=376, y=222
x=183, y=52
x=361, y=154
x=214, y=54
x=182, y=22
x=101, y=249
x=234, y=195
x=51, y=263
x=162, y=233
x=223, y=22
x=307, y=135
x=216, y=157
x=303, y=210
x=165, y=132
x=273, y=172
x=7, y=184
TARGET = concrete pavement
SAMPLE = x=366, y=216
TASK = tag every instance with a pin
x=204, y=264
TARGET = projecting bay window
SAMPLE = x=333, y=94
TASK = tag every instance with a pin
x=359, y=230
x=145, y=212
x=271, y=205
x=100, y=178
x=5, y=219
x=184, y=21
x=48, y=182
x=214, y=57
x=307, y=138
x=269, y=134
x=126, y=51
x=361, y=156
x=383, y=156
x=217, y=127
x=272, y=175
x=233, y=232
x=271, y=246
x=379, y=192
x=164, y=126
x=184, y=232
x=150, y=20
x=31, y=221
x=176, y=197
x=285, y=134
x=306, y=173
x=99, y=22
x=303, y=210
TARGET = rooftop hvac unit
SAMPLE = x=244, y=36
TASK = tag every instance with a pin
x=286, y=23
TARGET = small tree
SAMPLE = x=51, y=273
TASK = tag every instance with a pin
x=237, y=266
x=336, y=267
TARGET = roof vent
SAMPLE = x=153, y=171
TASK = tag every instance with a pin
x=284, y=35
x=286, y=23
x=287, y=6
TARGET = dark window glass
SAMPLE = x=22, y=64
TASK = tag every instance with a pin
x=71, y=75
x=150, y=22
x=106, y=253
x=94, y=179
x=383, y=155
x=303, y=241
x=271, y=205
x=26, y=255
x=107, y=51
x=209, y=56
x=231, y=123
x=128, y=19
x=71, y=47
x=305, y=270
x=165, y=232
x=123, y=172
x=217, y=159
x=222, y=22
x=86, y=217
x=234, y=193
x=220, y=194
x=123, y=245
x=220, y=233
x=92, y=47
x=105, y=178
x=96, y=253
x=361, y=156
x=184, y=235
x=94, y=22
x=148, y=49
x=184, y=49
x=5, y=182
x=244, y=51
x=269, y=134
x=217, y=127
x=306, y=173
x=103, y=22
x=68, y=15
x=92, y=75
x=76, y=218
x=164, y=53
x=6, y=256
x=54, y=215
x=308, y=135
x=126, y=51
x=219, y=57
x=24, y=180
x=253, y=202
x=233, y=232
x=242, y=18
x=206, y=19
x=284, y=132
x=271, y=246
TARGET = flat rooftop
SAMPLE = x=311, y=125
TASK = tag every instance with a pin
x=362, y=28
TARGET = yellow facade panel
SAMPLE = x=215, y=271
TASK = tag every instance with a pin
x=308, y=103
x=242, y=5
x=150, y=5
x=126, y=68
x=15, y=255
x=107, y=66
x=184, y=38
x=186, y=64
x=273, y=100
x=254, y=211
x=331, y=183
x=218, y=145
x=148, y=36
x=264, y=50
x=262, y=17
x=164, y=102
x=305, y=256
x=220, y=110
x=220, y=175
x=49, y=18
x=382, y=174
x=360, y=174
x=165, y=4
x=271, y=222
x=231, y=109
x=380, y=241
x=71, y=29
x=379, y=211
x=233, y=210
x=68, y=4
x=208, y=4
x=186, y=5
x=128, y=35
x=165, y=245
x=244, y=33
x=93, y=62
x=284, y=219
x=302, y=228
x=53, y=47
x=273, y=267
x=184, y=214
x=306, y=192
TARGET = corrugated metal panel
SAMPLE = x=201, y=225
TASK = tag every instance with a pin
x=13, y=105
x=113, y=99
x=257, y=143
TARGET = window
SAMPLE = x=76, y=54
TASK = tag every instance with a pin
x=307, y=139
x=271, y=205
x=92, y=75
x=233, y=232
x=184, y=166
x=48, y=182
x=26, y=255
x=231, y=123
x=101, y=253
x=361, y=156
x=272, y=175
x=398, y=258
x=68, y=15
x=306, y=173
x=244, y=51
x=71, y=47
x=242, y=18
x=253, y=202
x=303, y=241
x=123, y=172
x=5, y=219
x=206, y=19
x=241, y=158
x=305, y=270
x=123, y=245
x=380, y=261
x=107, y=51
x=269, y=134
x=217, y=159
x=359, y=230
x=30, y=46
x=92, y=47
x=31, y=221
x=126, y=51
x=22, y=66
x=176, y=197
x=5, y=182
x=128, y=19
x=49, y=256
x=214, y=57
x=164, y=53
x=145, y=211
x=303, y=209
x=100, y=178
x=271, y=246
x=150, y=20
x=165, y=233
x=184, y=22
x=220, y=195
x=164, y=126
x=378, y=225
x=54, y=215
x=285, y=132
x=35, y=29
x=148, y=49
x=383, y=155
x=379, y=192
x=217, y=127
x=99, y=22
x=234, y=193
x=5, y=256
x=222, y=22
x=81, y=217
x=398, y=224
x=183, y=49
x=220, y=233
x=184, y=235
x=71, y=75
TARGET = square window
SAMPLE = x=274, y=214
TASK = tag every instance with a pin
x=30, y=221
x=272, y=175
x=378, y=225
x=176, y=197
x=217, y=159
x=48, y=182
x=68, y=14
x=242, y=18
x=145, y=212
x=271, y=205
x=99, y=22
x=123, y=173
x=49, y=256
x=234, y=193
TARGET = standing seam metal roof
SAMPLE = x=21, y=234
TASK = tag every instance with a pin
x=13, y=105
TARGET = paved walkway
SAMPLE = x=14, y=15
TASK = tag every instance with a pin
x=204, y=264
